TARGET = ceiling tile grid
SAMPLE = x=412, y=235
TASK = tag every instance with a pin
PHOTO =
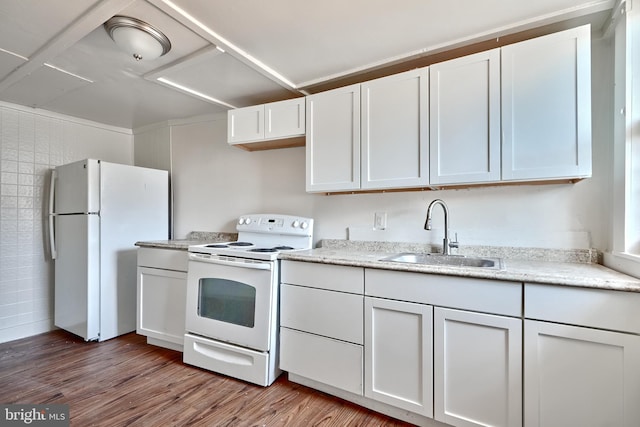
x=228, y=53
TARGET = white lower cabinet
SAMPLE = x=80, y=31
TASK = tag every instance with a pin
x=477, y=369
x=398, y=354
x=321, y=324
x=581, y=357
x=576, y=376
x=445, y=350
x=162, y=287
x=323, y=359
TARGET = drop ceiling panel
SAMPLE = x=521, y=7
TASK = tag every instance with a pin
x=42, y=86
x=26, y=25
x=316, y=40
x=119, y=95
x=130, y=106
x=223, y=77
x=8, y=63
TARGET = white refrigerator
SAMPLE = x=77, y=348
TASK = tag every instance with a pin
x=97, y=211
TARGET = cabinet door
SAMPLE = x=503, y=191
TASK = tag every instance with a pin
x=284, y=119
x=245, y=124
x=577, y=376
x=395, y=123
x=161, y=304
x=477, y=369
x=399, y=354
x=465, y=119
x=546, y=107
x=333, y=140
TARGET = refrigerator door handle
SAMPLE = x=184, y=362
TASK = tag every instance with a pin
x=52, y=191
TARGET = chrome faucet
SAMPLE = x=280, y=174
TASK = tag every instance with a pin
x=446, y=243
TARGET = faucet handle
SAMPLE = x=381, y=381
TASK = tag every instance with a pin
x=455, y=243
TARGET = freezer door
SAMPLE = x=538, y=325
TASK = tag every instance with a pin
x=77, y=275
x=77, y=187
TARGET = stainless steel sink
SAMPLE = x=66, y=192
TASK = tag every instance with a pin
x=448, y=260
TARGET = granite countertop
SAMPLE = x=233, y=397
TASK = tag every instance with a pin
x=557, y=272
x=193, y=238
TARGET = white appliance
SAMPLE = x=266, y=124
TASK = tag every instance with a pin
x=233, y=296
x=97, y=211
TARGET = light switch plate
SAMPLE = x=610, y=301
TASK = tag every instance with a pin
x=380, y=221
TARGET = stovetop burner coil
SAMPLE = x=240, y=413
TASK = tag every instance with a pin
x=240, y=244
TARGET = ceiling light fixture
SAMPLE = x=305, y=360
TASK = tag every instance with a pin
x=136, y=37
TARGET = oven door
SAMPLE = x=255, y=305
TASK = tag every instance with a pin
x=232, y=299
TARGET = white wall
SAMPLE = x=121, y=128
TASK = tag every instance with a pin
x=215, y=183
x=31, y=143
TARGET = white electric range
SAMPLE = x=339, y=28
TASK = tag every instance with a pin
x=232, y=297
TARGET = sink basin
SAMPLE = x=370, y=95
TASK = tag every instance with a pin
x=448, y=260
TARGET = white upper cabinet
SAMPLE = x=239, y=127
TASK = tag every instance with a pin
x=245, y=124
x=372, y=136
x=333, y=140
x=517, y=113
x=257, y=127
x=465, y=119
x=395, y=123
x=546, y=107
x=284, y=119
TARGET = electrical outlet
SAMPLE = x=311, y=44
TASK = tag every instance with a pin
x=380, y=221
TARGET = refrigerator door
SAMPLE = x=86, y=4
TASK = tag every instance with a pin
x=77, y=275
x=134, y=206
x=76, y=189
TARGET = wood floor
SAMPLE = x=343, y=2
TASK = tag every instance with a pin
x=126, y=382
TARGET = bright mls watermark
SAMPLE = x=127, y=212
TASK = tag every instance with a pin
x=34, y=415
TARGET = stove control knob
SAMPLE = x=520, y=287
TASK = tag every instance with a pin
x=295, y=224
x=247, y=221
x=241, y=221
x=304, y=225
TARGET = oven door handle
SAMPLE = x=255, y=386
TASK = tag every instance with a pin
x=235, y=262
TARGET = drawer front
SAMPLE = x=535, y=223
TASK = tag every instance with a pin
x=597, y=308
x=333, y=314
x=489, y=296
x=237, y=362
x=335, y=363
x=166, y=259
x=323, y=276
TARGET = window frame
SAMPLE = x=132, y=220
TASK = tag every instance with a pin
x=625, y=253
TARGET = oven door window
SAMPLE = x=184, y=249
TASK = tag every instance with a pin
x=227, y=301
